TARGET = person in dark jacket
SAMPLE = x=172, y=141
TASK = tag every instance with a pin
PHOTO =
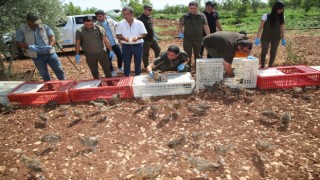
x=272, y=25
x=227, y=45
x=213, y=21
x=191, y=28
x=150, y=41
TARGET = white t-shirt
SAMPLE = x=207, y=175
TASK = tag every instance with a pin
x=264, y=17
x=136, y=29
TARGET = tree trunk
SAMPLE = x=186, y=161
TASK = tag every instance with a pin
x=2, y=69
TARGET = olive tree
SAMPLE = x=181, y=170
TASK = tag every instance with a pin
x=12, y=16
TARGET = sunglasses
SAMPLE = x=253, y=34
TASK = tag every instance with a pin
x=149, y=9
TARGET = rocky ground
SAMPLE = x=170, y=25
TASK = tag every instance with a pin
x=211, y=134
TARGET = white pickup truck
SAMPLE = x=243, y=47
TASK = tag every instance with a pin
x=69, y=27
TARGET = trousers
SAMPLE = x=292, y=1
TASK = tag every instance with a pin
x=153, y=44
x=92, y=60
x=128, y=51
x=188, y=46
x=273, y=51
x=43, y=60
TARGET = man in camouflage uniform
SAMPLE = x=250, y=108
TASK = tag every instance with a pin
x=172, y=60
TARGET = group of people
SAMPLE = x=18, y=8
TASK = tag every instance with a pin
x=103, y=40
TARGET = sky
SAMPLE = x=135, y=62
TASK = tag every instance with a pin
x=116, y=4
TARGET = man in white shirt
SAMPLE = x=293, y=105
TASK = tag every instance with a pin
x=131, y=32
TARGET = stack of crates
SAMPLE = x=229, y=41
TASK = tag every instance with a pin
x=211, y=70
x=5, y=88
x=41, y=93
x=175, y=84
x=287, y=77
x=90, y=90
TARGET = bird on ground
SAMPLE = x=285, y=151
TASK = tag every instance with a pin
x=224, y=149
x=264, y=145
x=197, y=110
x=270, y=114
x=149, y=172
x=202, y=164
x=43, y=117
x=196, y=136
x=178, y=104
x=63, y=108
x=204, y=105
x=145, y=100
x=153, y=112
x=177, y=142
x=78, y=113
x=97, y=104
x=90, y=142
x=214, y=87
x=115, y=99
x=51, y=138
x=285, y=120
x=195, y=92
x=101, y=120
x=31, y=163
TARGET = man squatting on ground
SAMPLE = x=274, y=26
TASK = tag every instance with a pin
x=226, y=45
x=172, y=60
x=38, y=40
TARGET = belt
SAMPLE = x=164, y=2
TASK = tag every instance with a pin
x=132, y=44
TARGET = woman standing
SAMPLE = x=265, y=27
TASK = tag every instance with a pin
x=273, y=31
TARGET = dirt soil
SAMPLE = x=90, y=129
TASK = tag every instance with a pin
x=248, y=134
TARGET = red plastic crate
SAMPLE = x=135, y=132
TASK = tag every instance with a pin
x=104, y=90
x=49, y=91
x=293, y=76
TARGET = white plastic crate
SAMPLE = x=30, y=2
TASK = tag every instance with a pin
x=246, y=73
x=211, y=70
x=5, y=88
x=270, y=72
x=316, y=67
x=178, y=83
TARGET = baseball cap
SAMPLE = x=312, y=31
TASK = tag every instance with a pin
x=147, y=6
x=33, y=18
x=211, y=3
x=88, y=18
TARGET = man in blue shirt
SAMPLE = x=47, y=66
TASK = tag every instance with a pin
x=38, y=41
x=110, y=26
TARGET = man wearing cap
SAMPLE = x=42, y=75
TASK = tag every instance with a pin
x=150, y=41
x=194, y=23
x=130, y=32
x=91, y=37
x=213, y=21
x=226, y=45
x=38, y=40
x=109, y=26
x=172, y=60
